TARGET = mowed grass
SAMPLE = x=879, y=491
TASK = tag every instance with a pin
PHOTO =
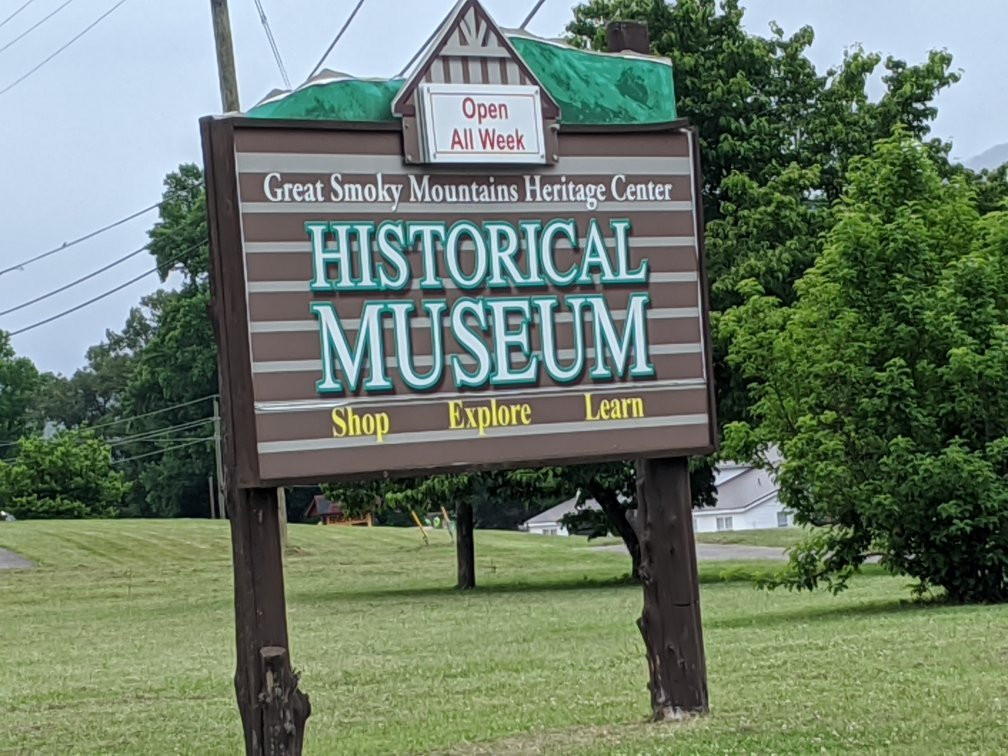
x=122, y=642
x=778, y=537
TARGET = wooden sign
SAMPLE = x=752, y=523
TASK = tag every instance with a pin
x=460, y=281
x=405, y=318
x=530, y=294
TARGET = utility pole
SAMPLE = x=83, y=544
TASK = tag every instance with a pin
x=670, y=621
x=220, y=457
x=282, y=516
x=273, y=709
x=213, y=497
x=225, y=56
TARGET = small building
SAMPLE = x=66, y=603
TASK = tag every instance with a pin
x=550, y=521
x=747, y=499
x=331, y=513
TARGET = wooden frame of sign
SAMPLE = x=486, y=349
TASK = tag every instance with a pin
x=632, y=381
x=377, y=317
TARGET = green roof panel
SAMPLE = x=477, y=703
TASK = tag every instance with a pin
x=592, y=89
x=597, y=89
x=368, y=100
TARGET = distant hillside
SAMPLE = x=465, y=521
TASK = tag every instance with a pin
x=992, y=158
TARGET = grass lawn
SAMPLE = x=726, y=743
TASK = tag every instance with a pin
x=122, y=642
x=779, y=537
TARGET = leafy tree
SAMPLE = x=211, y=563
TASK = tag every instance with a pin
x=500, y=498
x=178, y=241
x=177, y=366
x=776, y=140
x=758, y=102
x=19, y=383
x=886, y=382
x=175, y=363
x=464, y=493
x=71, y=475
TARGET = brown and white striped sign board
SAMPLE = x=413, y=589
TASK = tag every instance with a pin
x=382, y=316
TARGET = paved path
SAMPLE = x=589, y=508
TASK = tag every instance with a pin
x=11, y=561
x=722, y=552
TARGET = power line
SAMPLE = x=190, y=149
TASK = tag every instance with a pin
x=273, y=44
x=417, y=54
x=339, y=34
x=101, y=296
x=531, y=15
x=67, y=245
x=86, y=29
x=110, y=423
x=154, y=434
x=163, y=451
x=82, y=305
x=4, y=22
x=35, y=26
x=161, y=411
x=70, y=285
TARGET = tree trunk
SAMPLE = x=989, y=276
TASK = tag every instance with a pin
x=616, y=514
x=670, y=622
x=465, y=548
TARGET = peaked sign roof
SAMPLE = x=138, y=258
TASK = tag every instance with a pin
x=469, y=48
x=590, y=88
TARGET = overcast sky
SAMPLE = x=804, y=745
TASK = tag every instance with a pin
x=88, y=138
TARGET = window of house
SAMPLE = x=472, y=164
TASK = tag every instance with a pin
x=782, y=520
x=724, y=523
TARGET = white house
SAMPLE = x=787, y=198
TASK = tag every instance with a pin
x=548, y=522
x=747, y=499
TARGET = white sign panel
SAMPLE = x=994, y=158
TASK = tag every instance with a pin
x=481, y=123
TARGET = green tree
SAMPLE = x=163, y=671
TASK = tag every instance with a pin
x=776, y=140
x=493, y=499
x=71, y=475
x=177, y=366
x=886, y=382
x=19, y=383
x=174, y=364
x=178, y=241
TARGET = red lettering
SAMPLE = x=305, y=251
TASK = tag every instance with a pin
x=492, y=140
x=482, y=111
x=457, y=143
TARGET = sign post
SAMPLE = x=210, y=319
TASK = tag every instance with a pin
x=472, y=283
x=670, y=622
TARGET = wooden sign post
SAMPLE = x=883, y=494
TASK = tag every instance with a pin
x=473, y=276
x=670, y=622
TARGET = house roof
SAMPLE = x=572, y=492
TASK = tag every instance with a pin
x=320, y=506
x=720, y=508
x=590, y=88
x=554, y=514
x=745, y=489
x=741, y=486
